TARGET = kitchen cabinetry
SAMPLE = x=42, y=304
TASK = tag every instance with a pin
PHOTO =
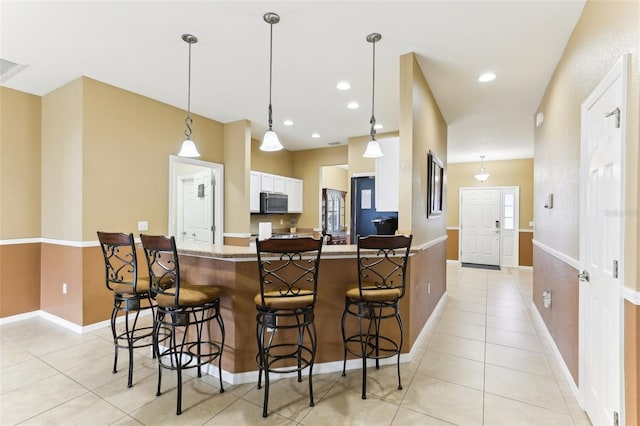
x=254, y=193
x=387, y=176
x=293, y=188
x=267, y=182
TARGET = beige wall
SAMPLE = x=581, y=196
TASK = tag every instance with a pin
x=127, y=140
x=277, y=163
x=503, y=173
x=605, y=31
x=20, y=183
x=335, y=177
x=62, y=133
x=237, y=161
x=20, y=115
x=422, y=129
x=306, y=166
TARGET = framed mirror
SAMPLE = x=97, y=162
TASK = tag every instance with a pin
x=435, y=185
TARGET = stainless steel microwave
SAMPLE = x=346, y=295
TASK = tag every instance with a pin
x=273, y=203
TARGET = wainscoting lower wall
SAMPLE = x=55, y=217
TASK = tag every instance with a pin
x=19, y=278
x=561, y=319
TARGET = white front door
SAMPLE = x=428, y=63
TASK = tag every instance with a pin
x=480, y=226
x=601, y=248
x=196, y=212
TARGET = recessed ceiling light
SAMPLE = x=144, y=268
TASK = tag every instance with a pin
x=315, y=135
x=378, y=126
x=287, y=123
x=353, y=105
x=343, y=85
x=487, y=76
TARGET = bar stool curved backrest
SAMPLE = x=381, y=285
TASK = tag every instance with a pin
x=181, y=306
x=288, y=270
x=130, y=295
x=382, y=272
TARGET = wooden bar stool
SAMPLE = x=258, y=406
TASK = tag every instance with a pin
x=130, y=295
x=382, y=265
x=180, y=307
x=288, y=288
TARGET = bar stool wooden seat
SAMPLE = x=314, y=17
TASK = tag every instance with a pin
x=286, y=330
x=181, y=307
x=130, y=295
x=382, y=265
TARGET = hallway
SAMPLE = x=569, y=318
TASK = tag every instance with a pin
x=483, y=362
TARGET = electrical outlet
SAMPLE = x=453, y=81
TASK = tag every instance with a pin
x=428, y=288
x=64, y=288
x=143, y=225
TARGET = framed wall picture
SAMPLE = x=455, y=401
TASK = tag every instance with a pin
x=435, y=185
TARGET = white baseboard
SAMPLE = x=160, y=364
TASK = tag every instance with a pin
x=251, y=376
x=556, y=352
x=65, y=323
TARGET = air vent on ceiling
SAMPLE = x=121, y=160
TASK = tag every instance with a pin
x=334, y=143
x=8, y=69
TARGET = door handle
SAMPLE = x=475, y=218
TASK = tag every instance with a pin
x=616, y=114
x=584, y=276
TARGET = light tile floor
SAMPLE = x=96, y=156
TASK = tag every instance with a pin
x=482, y=363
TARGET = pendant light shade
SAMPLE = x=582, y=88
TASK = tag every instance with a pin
x=188, y=148
x=373, y=147
x=482, y=174
x=373, y=150
x=270, y=141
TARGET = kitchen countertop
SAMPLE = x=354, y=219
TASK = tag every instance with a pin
x=246, y=254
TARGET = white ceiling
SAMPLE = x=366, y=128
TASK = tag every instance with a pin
x=137, y=46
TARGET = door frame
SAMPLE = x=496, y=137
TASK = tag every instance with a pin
x=516, y=239
x=619, y=70
x=218, y=211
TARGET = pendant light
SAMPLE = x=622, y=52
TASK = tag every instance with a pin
x=188, y=148
x=373, y=147
x=482, y=174
x=270, y=141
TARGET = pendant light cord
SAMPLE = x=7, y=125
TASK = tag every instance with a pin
x=188, y=120
x=270, y=71
x=373, y=94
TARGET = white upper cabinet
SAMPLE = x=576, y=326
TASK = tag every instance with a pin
x=254, y=193
x=293, y=188
x=266, y=182
x=387, y=176
x=278, y=184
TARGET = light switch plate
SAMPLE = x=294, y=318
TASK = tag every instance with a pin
x=143, y=225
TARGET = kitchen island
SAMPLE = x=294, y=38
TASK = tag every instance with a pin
x=235, y=270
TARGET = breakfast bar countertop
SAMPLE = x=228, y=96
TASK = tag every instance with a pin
x=248, y=253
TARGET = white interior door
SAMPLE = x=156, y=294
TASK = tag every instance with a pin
x=600, y=249
x=480, y=226
x=196, y=218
